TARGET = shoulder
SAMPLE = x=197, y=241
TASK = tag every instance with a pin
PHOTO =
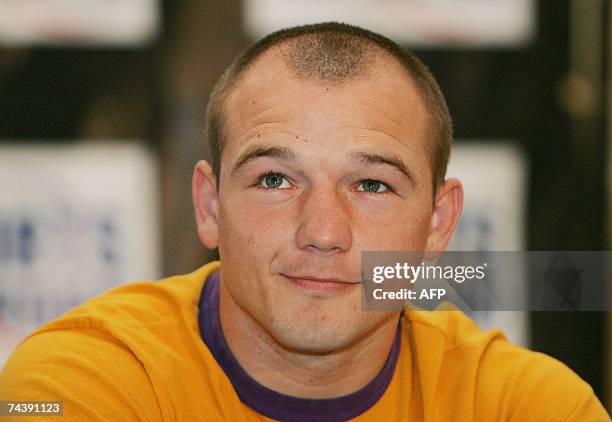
x=112, y=353
x=137, y=304
x=535, y=385
x=531, y=385
x=96, y=377
x=503, y=380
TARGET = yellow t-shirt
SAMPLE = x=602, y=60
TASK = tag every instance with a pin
x=135, y=353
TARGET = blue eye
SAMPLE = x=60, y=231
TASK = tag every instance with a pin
x=273, y=181
x=372, y=186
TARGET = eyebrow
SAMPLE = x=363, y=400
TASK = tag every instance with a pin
x=390, y=160
x=280, y=153
x=285, y=154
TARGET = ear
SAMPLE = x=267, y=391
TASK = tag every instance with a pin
x=206, y=202
x=447, y=210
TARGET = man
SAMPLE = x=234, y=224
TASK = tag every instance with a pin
x=326, y=140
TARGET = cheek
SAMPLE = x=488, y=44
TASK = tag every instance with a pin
x=404, y=228
x=249, y=230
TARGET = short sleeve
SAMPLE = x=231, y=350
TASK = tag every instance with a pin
x=95, y=376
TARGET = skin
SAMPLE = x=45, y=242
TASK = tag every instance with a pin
x=309, y=338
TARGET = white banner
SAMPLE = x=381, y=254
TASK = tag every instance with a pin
x=75, y=220
x=79, y=22
x=494, y=177
x=437, y=23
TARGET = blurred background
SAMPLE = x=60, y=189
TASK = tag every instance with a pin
x=101, y=123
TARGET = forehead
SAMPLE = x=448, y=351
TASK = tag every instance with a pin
x=382, y=98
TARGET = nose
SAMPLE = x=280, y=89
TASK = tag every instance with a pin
x=325, y=225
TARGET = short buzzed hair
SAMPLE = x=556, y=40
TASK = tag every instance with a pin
x=335, y=53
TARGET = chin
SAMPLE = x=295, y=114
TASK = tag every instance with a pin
x=311, y=336
x=312, y=343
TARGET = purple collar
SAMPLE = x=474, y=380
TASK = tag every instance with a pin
x=271, y=403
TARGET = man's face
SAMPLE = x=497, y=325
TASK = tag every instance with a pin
x=312, y=175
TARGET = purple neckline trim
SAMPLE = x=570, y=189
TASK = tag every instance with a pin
x=271, y=403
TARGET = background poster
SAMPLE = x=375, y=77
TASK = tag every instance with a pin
x=78, y=22
x=494, y=177
x=466, y=23
x=74, y=221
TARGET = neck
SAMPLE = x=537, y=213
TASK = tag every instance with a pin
x=298, y=374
